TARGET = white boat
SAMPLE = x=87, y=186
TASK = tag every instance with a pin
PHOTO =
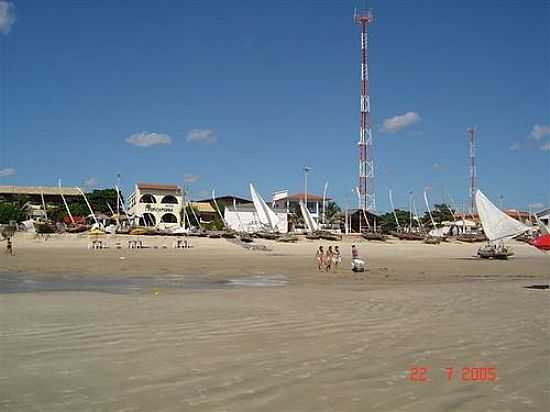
x=498, y=227
x=267, y=217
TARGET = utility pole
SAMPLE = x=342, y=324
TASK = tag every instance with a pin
x=306, y=171
x=473, y=172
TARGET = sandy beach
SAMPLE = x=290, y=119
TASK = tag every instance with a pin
x=222, y=328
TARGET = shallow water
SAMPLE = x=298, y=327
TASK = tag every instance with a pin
x=26, y=283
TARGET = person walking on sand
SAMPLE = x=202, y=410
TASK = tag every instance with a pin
x=337, y=259
x=357, y=265
x=328, y=264
x=320, y=256
x=9, y=246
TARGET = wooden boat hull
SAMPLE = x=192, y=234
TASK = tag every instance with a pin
x=246, y=239
x=432, y=240
x=44, y=228
x=313, y=237
x=471, y=238
x=541, y=242
x=330, y=236
x=411, y=236
x=267, y=235
x=76, y=228
x=288, y=239
x=490, y=252
x=374, y=236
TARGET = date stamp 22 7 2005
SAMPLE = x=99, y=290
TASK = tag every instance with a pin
x=466, y=374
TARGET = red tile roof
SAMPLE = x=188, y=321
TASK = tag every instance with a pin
x=156, y=186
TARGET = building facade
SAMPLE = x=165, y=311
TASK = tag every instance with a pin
x=244, y=218
x=156, y=205
x=291, y=203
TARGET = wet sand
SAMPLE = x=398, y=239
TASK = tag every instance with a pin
x=316, y=342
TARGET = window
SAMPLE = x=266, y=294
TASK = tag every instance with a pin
x=169, y=218
x=147, y=199
x=169, y=199
x=148, y=219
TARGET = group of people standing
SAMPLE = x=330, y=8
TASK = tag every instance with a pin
x=329, y=260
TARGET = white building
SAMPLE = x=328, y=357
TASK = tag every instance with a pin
x=291, y=203
x=544, y=216
x=156, y=205
x=245, y=219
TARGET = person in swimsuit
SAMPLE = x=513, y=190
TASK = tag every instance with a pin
x=328, y=260
x=320, y=255
x=337, y=259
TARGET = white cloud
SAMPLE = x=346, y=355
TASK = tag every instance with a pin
x=396, y=123
x=7, y=16
x=201, y=136
x=545, y=147
x=538, y=131
x=146, y=139
x=91, y=182
x=10, y=171
x=515, y=147
x=190, y=178
x=536, y=206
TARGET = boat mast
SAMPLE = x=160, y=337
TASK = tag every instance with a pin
x=65, y=202
x=429, y=211
x=410, y=212
x=416, y=217
x=195, y=215
x=393, y=209
x=88, y=203
x=121, y=203
x=217, y=207
x=184, y=206
x=43, y=203
x=324, y=202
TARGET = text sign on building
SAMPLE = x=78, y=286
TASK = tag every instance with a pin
x=164, y=208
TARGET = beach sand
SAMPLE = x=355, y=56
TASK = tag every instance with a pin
x=195, y=336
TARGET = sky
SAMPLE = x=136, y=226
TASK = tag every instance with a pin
x=218, y=94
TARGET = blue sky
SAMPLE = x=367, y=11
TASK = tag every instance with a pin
x=251, y=91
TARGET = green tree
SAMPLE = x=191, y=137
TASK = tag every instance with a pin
x=11, y=211
x=191, y=213
x=98, y=200
x=387, y=220
x=217, y=222
x=440, y=213
x=331, y=210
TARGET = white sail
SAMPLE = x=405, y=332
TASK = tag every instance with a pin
x=311, y=224
x=266, y=216
x=497, y=225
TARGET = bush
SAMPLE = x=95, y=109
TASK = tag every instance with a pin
x=10, y=211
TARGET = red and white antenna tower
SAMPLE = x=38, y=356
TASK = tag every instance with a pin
x=473, y=173
x=367, y=198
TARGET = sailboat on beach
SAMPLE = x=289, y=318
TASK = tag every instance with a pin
x=498, y=227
